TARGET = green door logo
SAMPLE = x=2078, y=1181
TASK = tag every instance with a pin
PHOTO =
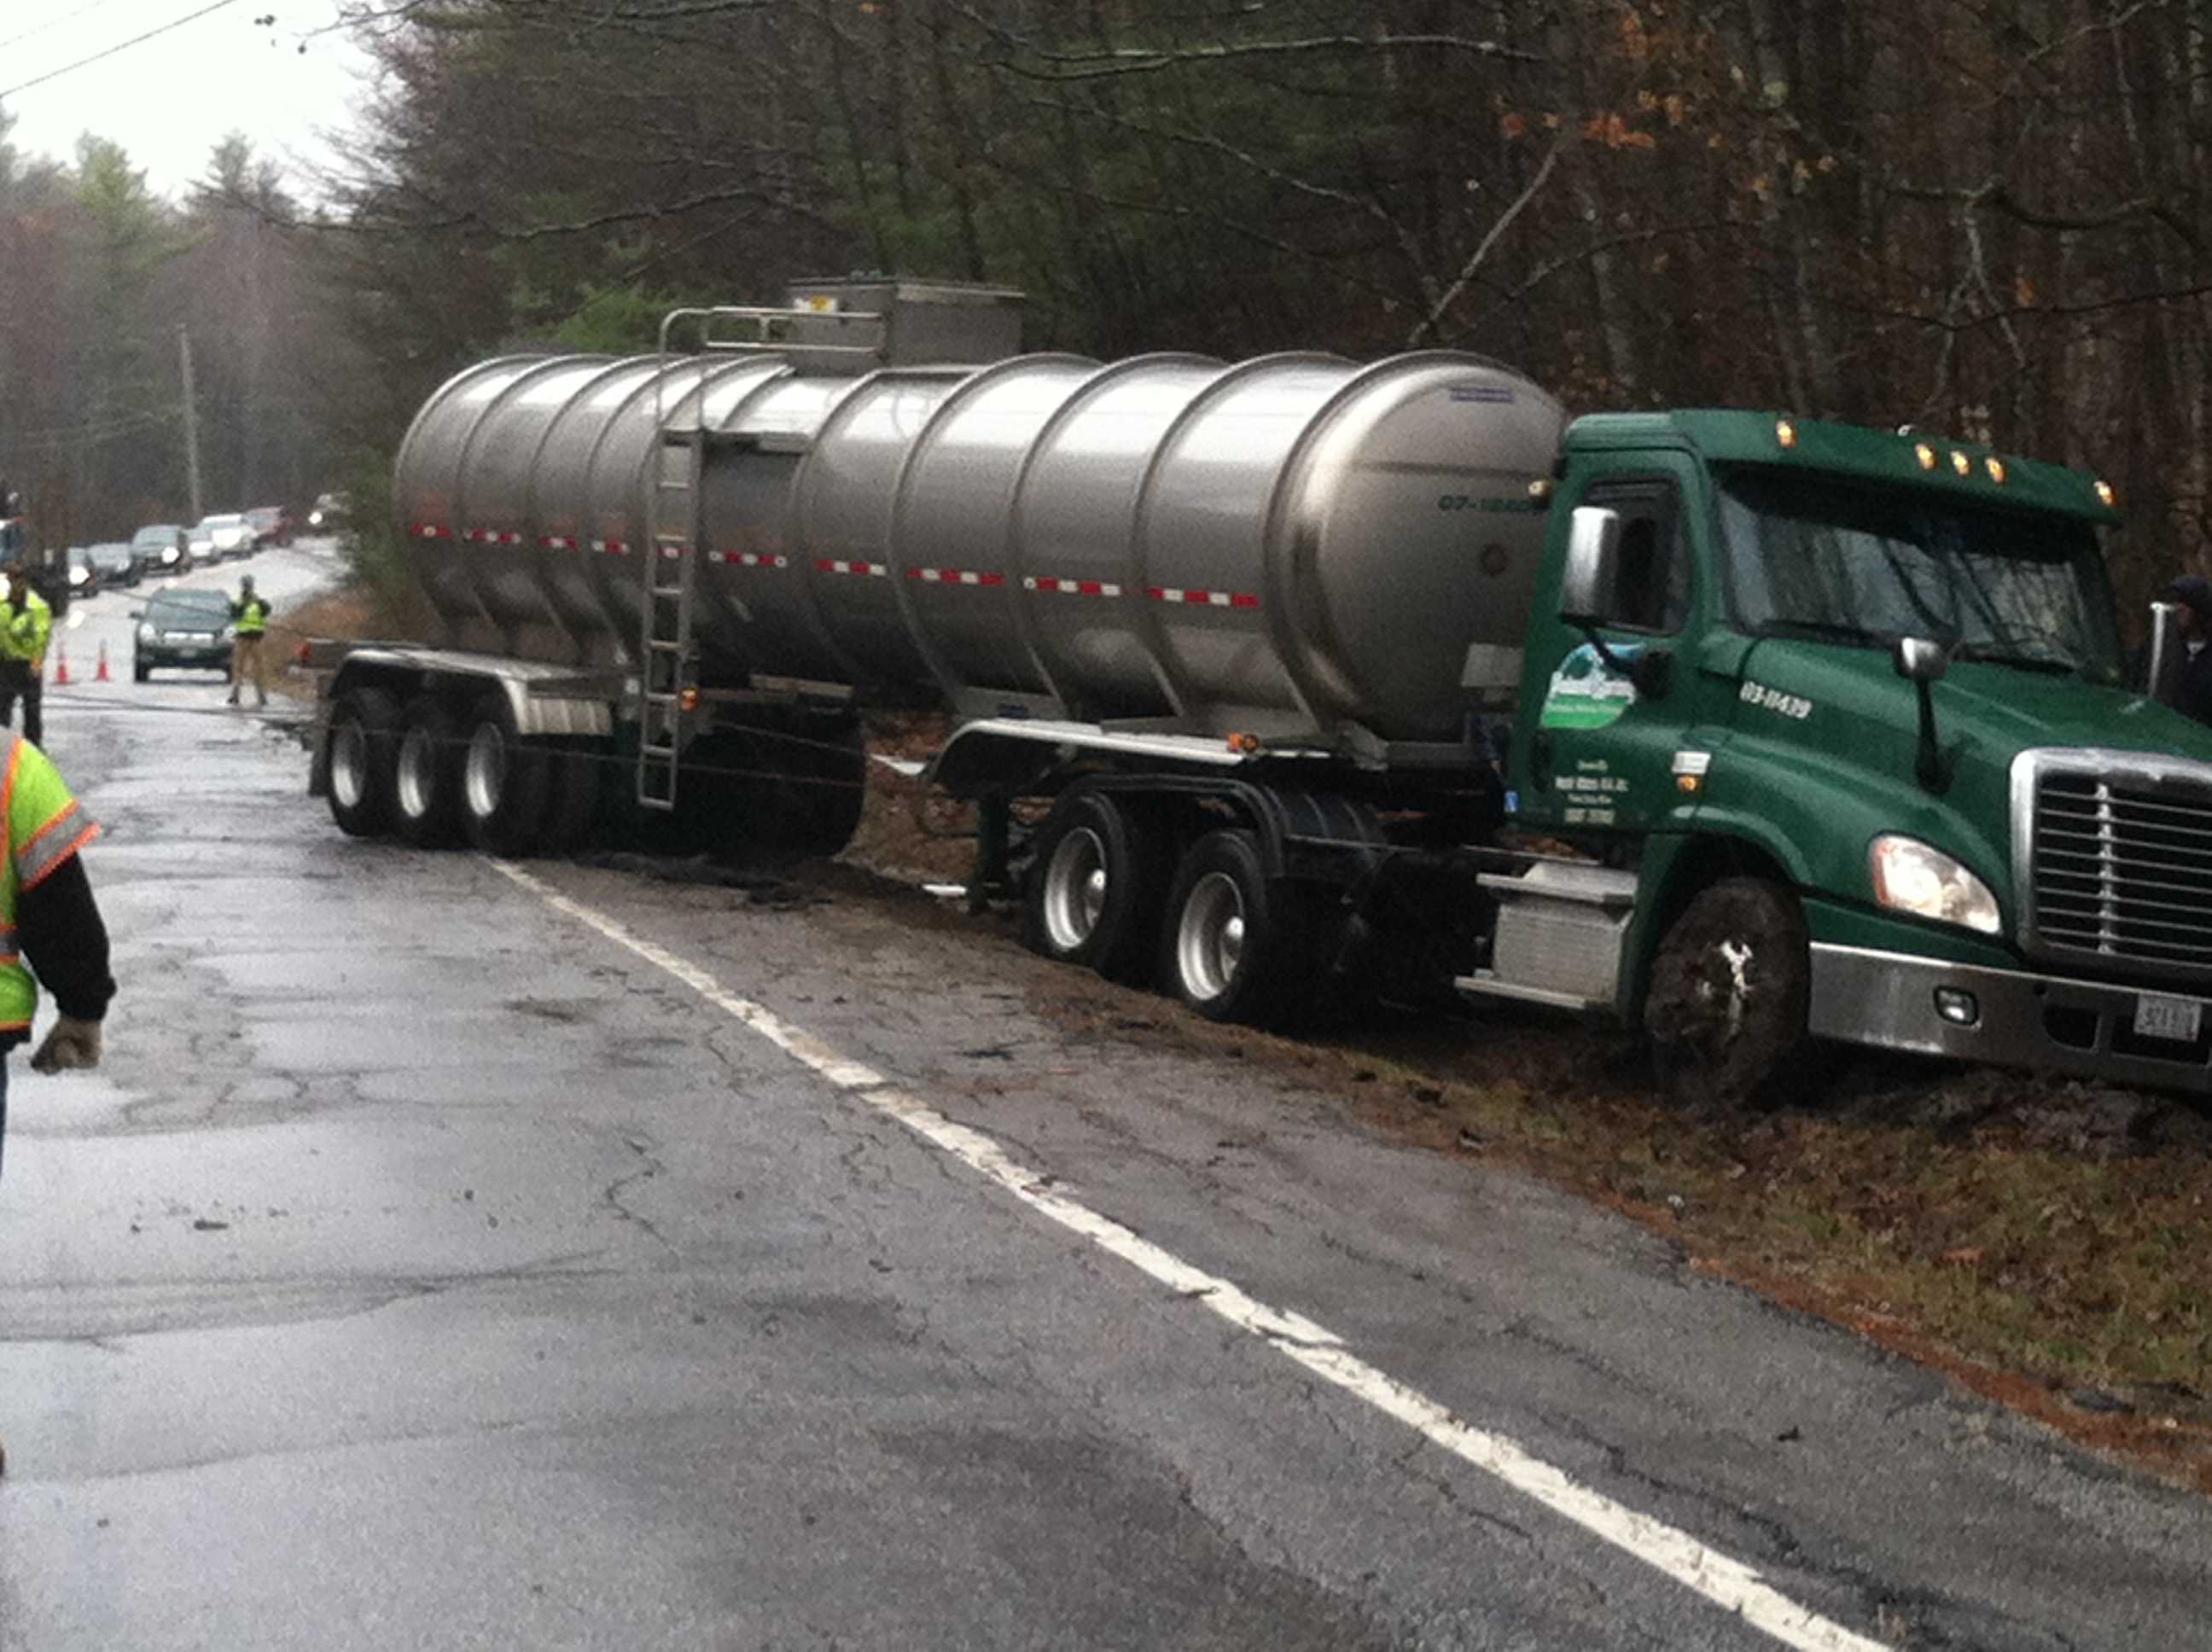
x=1587, y=693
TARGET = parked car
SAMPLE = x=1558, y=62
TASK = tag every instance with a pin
x=81, y=571
x=230, y=535
x=116, y=564
x=330, y=513
x=182, y=629
x=161, y=548
x=271, y=524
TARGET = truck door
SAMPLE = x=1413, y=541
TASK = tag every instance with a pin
x=1603, y=754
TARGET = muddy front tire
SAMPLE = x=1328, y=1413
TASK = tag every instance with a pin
x=1729, y=991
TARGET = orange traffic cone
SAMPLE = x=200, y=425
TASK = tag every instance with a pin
x=61, y=666
x=99, y=673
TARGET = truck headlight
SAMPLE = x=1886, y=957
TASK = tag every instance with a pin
x=1908, y=876
x=147, y=633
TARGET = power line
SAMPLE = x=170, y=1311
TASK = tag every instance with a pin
x=56, y=22
x=109, y=51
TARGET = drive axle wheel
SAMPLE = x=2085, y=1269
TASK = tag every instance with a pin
x=1093, y=887
x=363, y=726
x=427, y=776
x=1730, y=990
x=1239, y=946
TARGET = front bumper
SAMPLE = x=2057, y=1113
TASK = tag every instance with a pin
x=1864, y=996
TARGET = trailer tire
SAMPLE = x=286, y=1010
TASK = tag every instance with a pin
x=1730, y=985
x=1092, y=890
x=504, y=779
x=1236, y=944
x=427, y=776
x=364, y=724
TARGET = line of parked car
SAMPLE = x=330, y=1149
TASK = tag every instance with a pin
x=165, y=548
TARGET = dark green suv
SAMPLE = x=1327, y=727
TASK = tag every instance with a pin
x=183, y=628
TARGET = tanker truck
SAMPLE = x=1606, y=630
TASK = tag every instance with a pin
x=1277, y=681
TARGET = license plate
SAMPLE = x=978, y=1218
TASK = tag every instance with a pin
x=196, y=639
x=2177, y=1018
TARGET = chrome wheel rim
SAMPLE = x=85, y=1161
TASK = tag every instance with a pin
x=350, y=765
x=1074, y=889
x=416, y=781
x=485, y=777
x=1210, y=936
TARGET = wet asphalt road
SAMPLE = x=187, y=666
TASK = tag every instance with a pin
x=426, y=1268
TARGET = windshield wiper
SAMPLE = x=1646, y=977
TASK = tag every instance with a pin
x=1821, y=630
x=2025, y=662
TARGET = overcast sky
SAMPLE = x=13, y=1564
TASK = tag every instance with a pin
x=171, y=99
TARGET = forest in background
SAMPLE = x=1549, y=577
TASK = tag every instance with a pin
x=1986, y=217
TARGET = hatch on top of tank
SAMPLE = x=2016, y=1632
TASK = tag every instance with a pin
x=850, y=325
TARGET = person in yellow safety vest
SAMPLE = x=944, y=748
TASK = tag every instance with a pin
x=49, y=922
x=26, y=625
x=249, y=617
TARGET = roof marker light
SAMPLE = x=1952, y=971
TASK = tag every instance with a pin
x=1785, y=433
x=2107, y=495
x=1961, y=464
x=1996, y=468
x=1925, y=454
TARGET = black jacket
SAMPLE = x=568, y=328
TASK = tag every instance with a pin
x=58, y=926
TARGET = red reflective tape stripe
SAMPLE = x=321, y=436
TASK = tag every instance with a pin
x=556, y=542
x=836, y=565
x=954, y=576
x=1203, y=598
x=430, y=530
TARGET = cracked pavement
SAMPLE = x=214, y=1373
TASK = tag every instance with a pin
x=422, y=1271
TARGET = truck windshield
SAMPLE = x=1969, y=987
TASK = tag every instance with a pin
x=1849, y=564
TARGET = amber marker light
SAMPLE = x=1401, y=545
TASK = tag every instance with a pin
x=1244, y=744
x=1961, y=464
x=2107, y=495
x=1925, y=454
x=1996, y=468
x=688, y=700
x=1688, y=785
x=1785, y=433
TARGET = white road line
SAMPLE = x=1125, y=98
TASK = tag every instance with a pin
x=1728, y=1583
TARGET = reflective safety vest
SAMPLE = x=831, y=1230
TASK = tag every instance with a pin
x=27, y=628
x=45, y=826
x=252, y=616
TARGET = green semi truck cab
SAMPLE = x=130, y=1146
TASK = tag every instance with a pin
x=1840, y=717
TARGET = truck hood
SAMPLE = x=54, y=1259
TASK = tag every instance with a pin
x=1827, y=735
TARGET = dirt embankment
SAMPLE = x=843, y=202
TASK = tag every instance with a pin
x=2046, y=1241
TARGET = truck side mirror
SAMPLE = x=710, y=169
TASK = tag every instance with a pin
x=2163, y=679
x=1919, y=660
x=1590, y=582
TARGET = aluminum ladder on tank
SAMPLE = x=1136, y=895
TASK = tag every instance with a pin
x=666, y=658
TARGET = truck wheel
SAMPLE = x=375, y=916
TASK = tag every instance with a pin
x=427, y=776
x=572, y=806
x=363, y=725
x=1235, y=944
x=1729, y=987
x=1093, y=888
x=832, y=787
x=503, y=780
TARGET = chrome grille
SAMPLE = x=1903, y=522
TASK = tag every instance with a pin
x=2120, y=865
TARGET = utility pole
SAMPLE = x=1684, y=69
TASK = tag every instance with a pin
x=191, y=423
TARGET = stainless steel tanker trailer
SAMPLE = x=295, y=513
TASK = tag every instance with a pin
x=1302, y=672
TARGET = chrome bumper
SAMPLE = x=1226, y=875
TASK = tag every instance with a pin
x=1861, y=996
